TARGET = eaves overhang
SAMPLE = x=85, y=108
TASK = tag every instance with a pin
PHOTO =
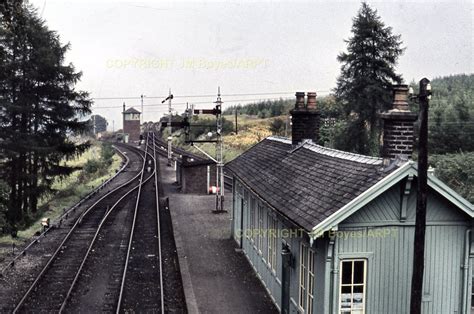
x=409, y=168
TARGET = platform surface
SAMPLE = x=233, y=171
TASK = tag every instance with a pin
x=217, y=278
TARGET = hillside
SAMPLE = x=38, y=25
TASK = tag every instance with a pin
x=451, y=128
x=251, y=130
x=451, y=114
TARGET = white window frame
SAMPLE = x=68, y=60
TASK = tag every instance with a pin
x=306, y=279
x=272, y=242
x=252, y=219
x=352, y=285
x=472, y=293
x=261, y=227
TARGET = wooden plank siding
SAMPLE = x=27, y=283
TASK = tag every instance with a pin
x=386, y=244
x=390, y=256
x=259, y=259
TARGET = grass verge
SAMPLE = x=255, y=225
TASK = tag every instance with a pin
x=70, y=191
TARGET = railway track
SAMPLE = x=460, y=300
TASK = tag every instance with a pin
x=50, y=287
x=97, y=281
x=111, y=258
x=67, y=212
x=142, y=278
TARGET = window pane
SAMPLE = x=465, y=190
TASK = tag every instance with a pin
x=311, y=261
x=346, y=289
x=346, y=272
x=359, y=289
x=358, y=297
x=346, y=298
x=359, y=272
x=472, y=296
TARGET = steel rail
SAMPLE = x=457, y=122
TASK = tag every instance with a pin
x=132, y=231
x=162, y=294
x=77, y=222
x=76, y=277
x=60, y=218
x=78, y=273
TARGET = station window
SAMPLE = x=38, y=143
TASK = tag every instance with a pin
x=272, y=242
x=306, y=279
x=352, y=286
x=238, y=190
x=260, y=228
x=252, y=219
x=472, y=296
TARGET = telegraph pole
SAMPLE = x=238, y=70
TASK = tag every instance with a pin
x=123, y=125
x=219, y=155
x=421, y=197
x=141, y=116
x=236, y=129
x=93, y=122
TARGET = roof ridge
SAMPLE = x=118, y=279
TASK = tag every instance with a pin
x=309, y=144
x=342, y=154
x=277, y=138
x=132, y=110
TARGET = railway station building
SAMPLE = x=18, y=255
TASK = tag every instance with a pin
x=194, y=174
x=131, y=125
x=329, y=231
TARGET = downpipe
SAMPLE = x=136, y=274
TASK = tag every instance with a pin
x=465, y=269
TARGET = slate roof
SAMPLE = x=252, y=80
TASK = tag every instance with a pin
x=306, y=183
x=131, y=110
x=187, y=159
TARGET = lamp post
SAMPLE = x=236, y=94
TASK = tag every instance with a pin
x=421, y=197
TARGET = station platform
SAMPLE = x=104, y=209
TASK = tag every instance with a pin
x=217, y=278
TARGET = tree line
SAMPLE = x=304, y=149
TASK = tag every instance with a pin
x=40, y=111
x=363, y=89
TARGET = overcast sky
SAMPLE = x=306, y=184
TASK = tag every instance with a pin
x=130, y=48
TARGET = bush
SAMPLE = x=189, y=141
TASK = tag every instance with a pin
x=107, y=153
x=277, y=126
x=201, y=126
x=92, y=166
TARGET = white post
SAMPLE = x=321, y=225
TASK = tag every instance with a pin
x=219, y=156
x=208, y=178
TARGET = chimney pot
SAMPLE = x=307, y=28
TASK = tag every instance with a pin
x=311, y=104
x=400, y=97
x=299, y=100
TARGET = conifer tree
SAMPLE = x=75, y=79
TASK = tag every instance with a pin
x=40, y=108
x=367, y=73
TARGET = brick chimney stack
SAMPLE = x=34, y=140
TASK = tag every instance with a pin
x=305, y=119
x=398, y=132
